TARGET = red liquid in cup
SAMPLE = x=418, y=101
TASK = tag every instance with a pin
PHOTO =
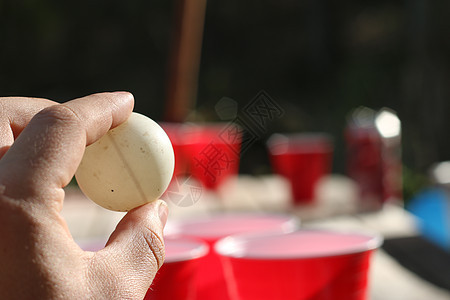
x=316, y=265
x=210, y=282
x=375, y=164
x=303, y=159
x=176, y=278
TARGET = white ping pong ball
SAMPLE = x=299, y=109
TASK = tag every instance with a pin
x=129, y=166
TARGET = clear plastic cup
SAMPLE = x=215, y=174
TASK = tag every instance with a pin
x=304, y=264
x=210, y=282
x=303, y=159
x=176, y=278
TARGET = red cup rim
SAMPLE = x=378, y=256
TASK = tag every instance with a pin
x=183, y=249
x=219, y=225
x=192, y=131
x=279, y=143
x=234, y=246
x=186, y=248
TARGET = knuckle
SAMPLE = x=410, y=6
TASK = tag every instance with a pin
x=155, y=246
x=59, y=112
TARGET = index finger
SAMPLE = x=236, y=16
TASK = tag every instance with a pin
x=48, y=151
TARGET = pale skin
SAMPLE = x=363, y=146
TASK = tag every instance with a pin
x=41, y=144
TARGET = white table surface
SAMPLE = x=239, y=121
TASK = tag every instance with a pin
x=335, y=208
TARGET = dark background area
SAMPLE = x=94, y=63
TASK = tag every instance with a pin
x=318, y=59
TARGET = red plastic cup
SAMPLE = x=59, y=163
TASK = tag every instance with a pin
x=303, y=159
x=213, y=151
x=313, y=265
x=210, y=282
x=176, y=278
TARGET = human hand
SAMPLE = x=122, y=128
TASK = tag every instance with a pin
x=41, y=144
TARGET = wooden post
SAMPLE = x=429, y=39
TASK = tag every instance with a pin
x=185, y=59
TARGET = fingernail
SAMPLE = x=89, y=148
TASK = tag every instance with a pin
x=124, y=94
x=163, y=213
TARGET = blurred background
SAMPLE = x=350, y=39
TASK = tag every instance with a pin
x=318, y=59
x=315, y=60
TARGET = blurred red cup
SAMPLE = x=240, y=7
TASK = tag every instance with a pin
x=210, y=282
x=303, y=159
x=176, y=278
x=213, y=151
x=313, y=265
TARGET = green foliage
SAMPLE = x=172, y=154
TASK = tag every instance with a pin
x=413, y=182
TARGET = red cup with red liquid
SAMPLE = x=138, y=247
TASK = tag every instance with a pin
x=176, y=277
x=303, y=159
x=301, y=265
x=210, y=283
x=213, y=152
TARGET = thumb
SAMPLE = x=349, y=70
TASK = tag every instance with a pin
x=133, y=254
